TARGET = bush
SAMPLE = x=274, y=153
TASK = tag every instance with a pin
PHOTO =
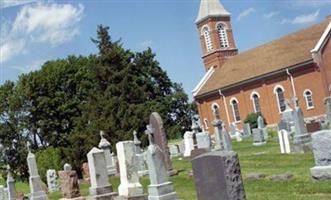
x=49, y=158
x=252, y=119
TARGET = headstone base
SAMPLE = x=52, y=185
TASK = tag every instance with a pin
x=140, y=197
x=38, y=196
x=321, y=173
x=259, y=143
x=163, y=191
x=102, y=193
x=302, y=143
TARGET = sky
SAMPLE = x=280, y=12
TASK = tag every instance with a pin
x=34, y=31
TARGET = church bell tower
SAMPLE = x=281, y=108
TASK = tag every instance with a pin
x=216, y=36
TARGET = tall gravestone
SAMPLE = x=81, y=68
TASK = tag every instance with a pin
x=222, y=138
x=301, y=139
x=51, y=180
x=261, y=125
x=160, y=187
x=247, y=130
x=327, y=103
x=189, y=143
x=284, y=141
x=109, y=156
x=69, y=184
x=142, y=171
x=130, y=188
x=36, y=192
x=160, y=139
x=321, y=142
x=217, y=176
x=11, y=189
x=100, y=188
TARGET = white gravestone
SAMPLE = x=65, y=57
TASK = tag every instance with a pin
x=36, y=192
x=142, y=171
x=109, y=156
x=100, y=186
x=203, y=140
x=189, y=143
x=174, y=150
x=160, y=187
x=235, y=133
x=127, y=160
x=11, y=189
x=284, y=141
x=52, y=180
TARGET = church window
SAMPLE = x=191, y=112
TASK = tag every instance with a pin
x=309, y=99
x=279, y=91
x=206, y=123
x=235, y=110
x=215, y=109
x=256, y=102
x=223, y=36
x=206, y=34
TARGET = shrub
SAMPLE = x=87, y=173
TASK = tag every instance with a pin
x=49, y=158
x=252, y=119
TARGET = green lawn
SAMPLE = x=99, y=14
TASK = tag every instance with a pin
x=265, y=159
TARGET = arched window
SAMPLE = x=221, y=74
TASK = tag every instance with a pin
x=255, y=97
x=206, y=34
x=215, y=108
x=205, y=121
x=235, y=109
x=279, y=91
x=222, y=35
x=309, y=99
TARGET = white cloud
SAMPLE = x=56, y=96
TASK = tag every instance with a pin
x=270, y=14
x=307, y=3
x=11, y=3
x=302, y=19
x=245, y=13
x=43, y=23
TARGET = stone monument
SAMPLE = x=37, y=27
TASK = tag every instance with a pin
x=36, y=191
x=217, y=176
x=142, y=171
x=109, y=156
x=258, y=137
x=69, y=184
x=261, y=125
x=2, y=193
x=100, y=188
x=130, y=188
x=234, y=132
x=203, y=140
x=51, y=180
x=301, y=139
x=222, y=138
x=160, y=139
x=11, y=193
x=189, y=143
x=321, y=142
x=284, y=141
x=160, y=187
x=247, y=130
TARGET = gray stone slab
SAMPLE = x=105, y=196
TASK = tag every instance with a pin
x=258, y=137
x=52, y=180
x=321, y=142
x=327, y=103
x=218, y=176
x=247, y=130
x=321, y=173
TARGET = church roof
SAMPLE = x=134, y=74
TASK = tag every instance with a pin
x=276, y=55
x=211, y=8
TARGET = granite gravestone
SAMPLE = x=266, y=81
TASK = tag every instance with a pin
x=222, y=138
x=36, y=191
x=247, y=130
x=69, y=184
x=218, y=176
x=160, y=187
x=327, y=103
x=284, y=141
x=130, y=188
x=11, y=189
x=261, y=125
x=258, y=137
x=100, y=188
x=321, y=142
x=301, y=139
x=160, y=139
x=109, y=156
x=51, y=180
x=142, y=171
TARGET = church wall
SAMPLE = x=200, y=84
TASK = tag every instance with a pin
x=326, y=64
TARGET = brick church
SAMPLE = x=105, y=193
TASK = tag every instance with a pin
x=294, y=68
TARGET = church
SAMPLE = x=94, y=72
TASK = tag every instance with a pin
x=295, y=68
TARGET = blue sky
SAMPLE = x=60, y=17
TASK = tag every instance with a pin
x=33, y=32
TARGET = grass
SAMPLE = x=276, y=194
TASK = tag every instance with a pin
x=264, y=159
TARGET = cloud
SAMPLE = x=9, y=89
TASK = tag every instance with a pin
x=270, y=14
x=302, y=19
x=310, y=3
x=11, y=3
x=53, y=24
x=245, y=13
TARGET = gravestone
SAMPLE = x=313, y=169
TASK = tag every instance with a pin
x=69, y=184
x=51, y=180
x=36, y=191
x=217, y=176
x=130, y=188
x=301, y=139
x=109, y=156
x=100, y=188
x=160, y=139
x=2, y=193
x=11, y=189
x=327, y=103
x=86, y=172
x=287, y=114
x=203, y=140
x=284, y=125
x=234, y=132
x=174, y=150
x=222, y=138
x=198, y=152
x=142, y=171
x=189, y=143
x=321, y=142
x=261, y=125
x=247, y=130
x=284, y=141
x=160, y=187
x=258, y=137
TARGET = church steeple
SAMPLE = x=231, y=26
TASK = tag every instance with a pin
x=216, y=35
